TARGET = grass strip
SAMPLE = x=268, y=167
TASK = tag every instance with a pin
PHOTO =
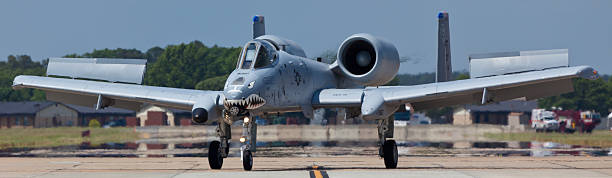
x=62, y=136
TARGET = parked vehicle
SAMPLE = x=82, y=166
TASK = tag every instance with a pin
x=589, y=120
x=401, y=118
x=571, y=121
x=544, y=121
x=420, y=119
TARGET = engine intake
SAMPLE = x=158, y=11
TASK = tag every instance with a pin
x=368, y=60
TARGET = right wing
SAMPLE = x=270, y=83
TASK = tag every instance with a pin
x=127, y=96
x=531, y=85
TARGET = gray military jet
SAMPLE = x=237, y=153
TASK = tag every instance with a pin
x=273, y=75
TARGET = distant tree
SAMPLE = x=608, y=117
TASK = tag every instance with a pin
x=394, y=82
x=152, y=54
x=462, y=76
x=215, y=83
x=588, y=95
x=115, y=53
x=19, y=65
x=185, y=65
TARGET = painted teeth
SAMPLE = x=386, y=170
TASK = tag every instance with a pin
x=251, y=102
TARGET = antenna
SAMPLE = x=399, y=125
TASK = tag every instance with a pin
x=259, y=26
x=445, y=70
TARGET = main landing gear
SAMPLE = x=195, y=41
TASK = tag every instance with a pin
x=220, y=149
x=388, y=148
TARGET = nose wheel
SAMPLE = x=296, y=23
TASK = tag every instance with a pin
x=247, y=160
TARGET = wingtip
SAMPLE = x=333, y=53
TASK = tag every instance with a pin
x=588, y=73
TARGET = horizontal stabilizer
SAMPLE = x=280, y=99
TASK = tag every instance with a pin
x=491, y=64
x=112, y=70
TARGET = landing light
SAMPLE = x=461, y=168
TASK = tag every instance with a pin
x=246, y=119
x=242, y=139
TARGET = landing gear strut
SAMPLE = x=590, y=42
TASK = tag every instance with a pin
x=388, y=148
x=218, y=150
x=248, y=141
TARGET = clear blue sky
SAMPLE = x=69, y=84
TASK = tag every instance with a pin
x=54, y=28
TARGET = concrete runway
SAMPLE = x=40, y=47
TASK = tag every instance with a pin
x=362, y=166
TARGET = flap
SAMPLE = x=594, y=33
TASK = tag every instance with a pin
x=491, y=64
x=112, y=70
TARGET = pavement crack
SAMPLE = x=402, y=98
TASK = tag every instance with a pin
x=563, y=165
x=185, y=170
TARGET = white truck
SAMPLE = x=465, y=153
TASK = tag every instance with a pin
x=544, y=121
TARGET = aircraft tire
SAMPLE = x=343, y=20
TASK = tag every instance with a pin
x=247, y=160
x=390, y=154
x=215, y=160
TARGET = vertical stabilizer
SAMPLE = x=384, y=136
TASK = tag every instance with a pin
x=259, y=26
x=445, y=70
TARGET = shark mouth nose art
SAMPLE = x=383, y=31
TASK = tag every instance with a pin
x=252, y=102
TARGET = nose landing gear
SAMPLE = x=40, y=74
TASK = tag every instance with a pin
x=248, y=141
x=220, y=149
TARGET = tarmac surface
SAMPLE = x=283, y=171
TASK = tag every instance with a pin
x=332, y=166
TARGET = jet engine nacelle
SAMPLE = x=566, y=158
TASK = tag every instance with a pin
x=368, y=60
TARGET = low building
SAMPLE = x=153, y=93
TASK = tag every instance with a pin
x=107, y=117
x=151, y=115
x=513, y=113
x=40, y=114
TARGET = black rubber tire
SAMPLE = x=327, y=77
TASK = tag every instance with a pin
x=247, y=160
x=215, y=160
x=227, y=151
x=390, y=154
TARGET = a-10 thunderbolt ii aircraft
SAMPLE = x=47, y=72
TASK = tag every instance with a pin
x=274, y=76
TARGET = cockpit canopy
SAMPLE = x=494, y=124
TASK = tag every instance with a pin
x=257, y=54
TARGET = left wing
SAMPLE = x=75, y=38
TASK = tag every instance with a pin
x=127, y=96
x=531, y=85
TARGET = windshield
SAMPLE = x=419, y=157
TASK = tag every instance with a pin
x=259, y=52
x=249, y=56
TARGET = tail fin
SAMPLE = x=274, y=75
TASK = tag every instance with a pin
x=445, y=70
x=259, y=26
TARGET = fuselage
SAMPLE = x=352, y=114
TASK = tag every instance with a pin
x=287, y=83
